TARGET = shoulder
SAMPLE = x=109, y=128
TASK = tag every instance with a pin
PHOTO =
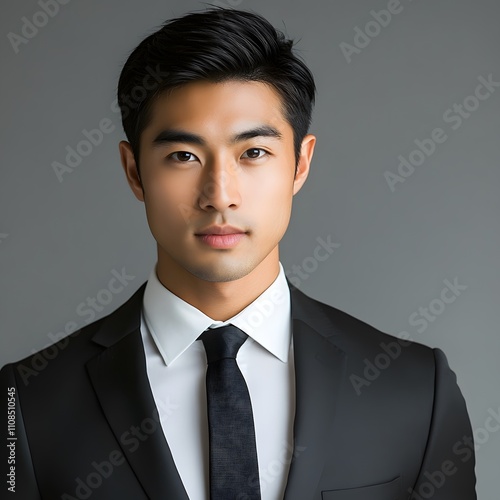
x=70, y=354
x=350, y=333
x=370, y=352
x=398, y=363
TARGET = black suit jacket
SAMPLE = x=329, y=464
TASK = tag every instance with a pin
x=376, y=417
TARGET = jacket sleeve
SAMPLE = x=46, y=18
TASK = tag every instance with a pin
x=16, y=460
x=447, y=471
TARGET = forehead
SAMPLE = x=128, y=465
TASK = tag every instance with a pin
x=213, y=106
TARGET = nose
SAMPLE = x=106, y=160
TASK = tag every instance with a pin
x=219, y=186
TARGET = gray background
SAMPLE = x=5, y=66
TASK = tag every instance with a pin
x=60, y=241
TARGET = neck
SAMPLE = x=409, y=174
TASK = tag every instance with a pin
x=220, y=300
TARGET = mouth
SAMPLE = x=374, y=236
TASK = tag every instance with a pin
x=221, y=240
x=225, y=236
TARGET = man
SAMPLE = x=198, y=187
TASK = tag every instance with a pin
x=315, y=404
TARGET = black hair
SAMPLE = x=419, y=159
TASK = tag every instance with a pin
x=215, y=45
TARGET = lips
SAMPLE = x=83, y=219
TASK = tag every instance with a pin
x=221, y=240
x=221, y=230
x=221, y=236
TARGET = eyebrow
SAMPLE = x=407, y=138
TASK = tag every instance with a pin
x=170, y=136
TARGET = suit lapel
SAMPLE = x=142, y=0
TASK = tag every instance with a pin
x=118, y=375
x=319, y=373
x=120, y=381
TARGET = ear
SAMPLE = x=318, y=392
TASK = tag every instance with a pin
x=305, y=158
x=130, y=167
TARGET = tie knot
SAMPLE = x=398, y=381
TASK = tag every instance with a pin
x=222, y=342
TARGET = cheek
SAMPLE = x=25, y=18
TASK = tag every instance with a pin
x=167, y=205
x=281, y=216
x=273, y=202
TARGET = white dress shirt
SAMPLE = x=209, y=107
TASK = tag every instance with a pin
x=176, y=367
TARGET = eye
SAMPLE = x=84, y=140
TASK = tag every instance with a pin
x=181, y=156
x=255, y=153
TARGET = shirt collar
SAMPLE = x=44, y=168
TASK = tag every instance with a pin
x=175, y=324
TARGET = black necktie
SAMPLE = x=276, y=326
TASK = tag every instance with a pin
x=234, y=473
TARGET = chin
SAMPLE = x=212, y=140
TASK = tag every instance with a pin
x=223, y=272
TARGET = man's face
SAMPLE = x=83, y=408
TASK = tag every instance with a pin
x=217, y=154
